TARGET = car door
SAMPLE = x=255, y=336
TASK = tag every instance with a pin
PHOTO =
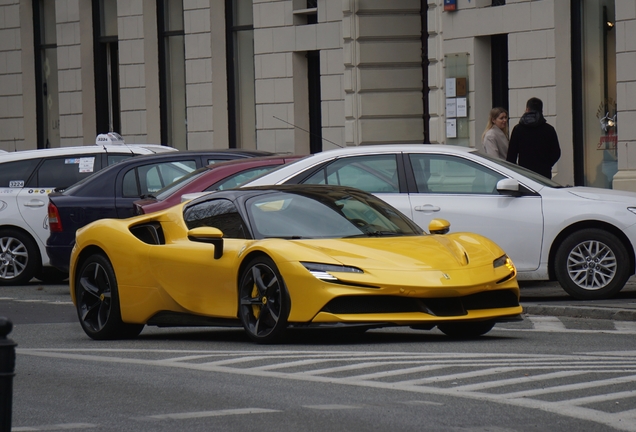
x=147, y=179
x=52, y=172
x=379, y=174
x=464, y=192
x=188, y=271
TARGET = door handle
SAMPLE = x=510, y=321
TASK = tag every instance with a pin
x=34, y=203
x=427, y=208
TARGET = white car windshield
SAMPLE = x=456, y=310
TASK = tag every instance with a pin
x=523, y=171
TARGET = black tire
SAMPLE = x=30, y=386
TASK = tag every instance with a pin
x=51, y=275
x=592, y=264
x=466, y=330
x=97, y=301
x=19, y=257
x=264, y=302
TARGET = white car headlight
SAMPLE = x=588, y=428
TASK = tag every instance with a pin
x=321, y=271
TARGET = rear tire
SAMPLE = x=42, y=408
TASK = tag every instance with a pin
x=97, y=301
x=19, y=257
x=466, y=330
x=592, y=264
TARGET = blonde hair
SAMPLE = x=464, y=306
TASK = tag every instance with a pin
x=494, y=113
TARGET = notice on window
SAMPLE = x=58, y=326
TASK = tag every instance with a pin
x=86, y=164
x=451, y=107
x=462, y=109
x=450, y=87
x=451, y=128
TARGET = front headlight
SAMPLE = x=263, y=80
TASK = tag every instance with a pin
x=321, y=271
x=504, y=260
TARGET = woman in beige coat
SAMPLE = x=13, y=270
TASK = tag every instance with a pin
x=495, y=137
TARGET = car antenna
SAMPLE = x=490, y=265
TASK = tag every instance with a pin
x=310, y=133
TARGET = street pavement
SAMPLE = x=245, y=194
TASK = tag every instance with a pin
x=548, y=298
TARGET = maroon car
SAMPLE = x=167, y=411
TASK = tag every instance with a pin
x=219, y=176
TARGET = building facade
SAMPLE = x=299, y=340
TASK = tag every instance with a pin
x=302, y=76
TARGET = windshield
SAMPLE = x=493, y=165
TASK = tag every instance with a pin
x=326, y=215
x=544, y=181
x=165, y=192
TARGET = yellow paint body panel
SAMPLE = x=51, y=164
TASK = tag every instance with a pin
x=183, y=276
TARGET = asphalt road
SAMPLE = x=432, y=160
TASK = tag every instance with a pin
x=545, y=373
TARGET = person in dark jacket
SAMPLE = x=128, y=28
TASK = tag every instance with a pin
x=534, y=143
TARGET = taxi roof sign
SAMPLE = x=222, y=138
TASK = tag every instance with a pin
x=109, y=138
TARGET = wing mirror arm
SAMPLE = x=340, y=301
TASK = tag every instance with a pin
x=209, y=235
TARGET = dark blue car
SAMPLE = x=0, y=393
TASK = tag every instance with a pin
x=110, y=193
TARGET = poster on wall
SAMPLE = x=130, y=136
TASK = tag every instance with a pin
x=451, y=108
x=451, y=128
x=462, y=109
x=450, y=87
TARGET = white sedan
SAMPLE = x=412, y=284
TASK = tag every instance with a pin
x=583, y=237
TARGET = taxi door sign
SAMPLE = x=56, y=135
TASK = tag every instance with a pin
x=450, y=5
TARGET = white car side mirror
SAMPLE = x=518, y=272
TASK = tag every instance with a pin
x=508, y=187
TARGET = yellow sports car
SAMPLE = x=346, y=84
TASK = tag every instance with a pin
x=275, y=257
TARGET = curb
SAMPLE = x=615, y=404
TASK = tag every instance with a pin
x=615, y=314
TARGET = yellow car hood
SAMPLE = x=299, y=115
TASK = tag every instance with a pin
x=455, y=251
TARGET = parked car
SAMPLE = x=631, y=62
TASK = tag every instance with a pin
x=583, y=237
x=219, y=176
x=26, y=178
x=287, y=256
x=111, y=192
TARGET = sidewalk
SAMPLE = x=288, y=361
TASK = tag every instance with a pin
x=548, y=298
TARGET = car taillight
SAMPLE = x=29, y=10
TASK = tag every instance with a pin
x=55, y=222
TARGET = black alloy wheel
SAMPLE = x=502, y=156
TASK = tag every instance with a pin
x=264, y=302
x=98, y=301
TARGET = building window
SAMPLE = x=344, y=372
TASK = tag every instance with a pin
x=499, y=68
x=106, y=58
x=47, y=102
x=172, y=74
x=240, y=73
x=315, y=102
x=594, y=92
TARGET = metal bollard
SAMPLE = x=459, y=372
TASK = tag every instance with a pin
x=7, y=368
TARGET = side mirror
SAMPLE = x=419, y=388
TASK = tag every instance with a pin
x=508, y=187
x=439, y=226
x=210, y=235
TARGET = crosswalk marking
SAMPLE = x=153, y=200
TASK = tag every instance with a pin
x=546, y=323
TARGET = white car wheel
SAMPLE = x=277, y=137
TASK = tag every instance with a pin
x=19, y=257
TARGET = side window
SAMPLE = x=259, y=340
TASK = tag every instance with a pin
x=221, y=214
x=153, y=177
x=212, y=161
x=452, y=175
x=114, y=158
x=16, y=174
x=374, y=174
x=62, y=172
x=239, y=178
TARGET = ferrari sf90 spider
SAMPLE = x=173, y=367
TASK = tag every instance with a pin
x=273, y=257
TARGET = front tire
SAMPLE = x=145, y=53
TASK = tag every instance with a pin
x=97, y=300
x=264, y=302
x=19, y=257
x=466, y=330
x=592, y=264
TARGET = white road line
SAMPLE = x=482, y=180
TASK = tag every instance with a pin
x=202, y=414
x=520, y=380
x=547, y=323
x=331, y=407
x=396, y=372
x=625, y=326
x=573, y=387
x=421, y=402
x=601, y=398
x=53, y=427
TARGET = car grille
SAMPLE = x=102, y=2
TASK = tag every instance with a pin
x=445, y=306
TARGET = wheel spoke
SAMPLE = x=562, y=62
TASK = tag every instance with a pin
x=592, y=265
